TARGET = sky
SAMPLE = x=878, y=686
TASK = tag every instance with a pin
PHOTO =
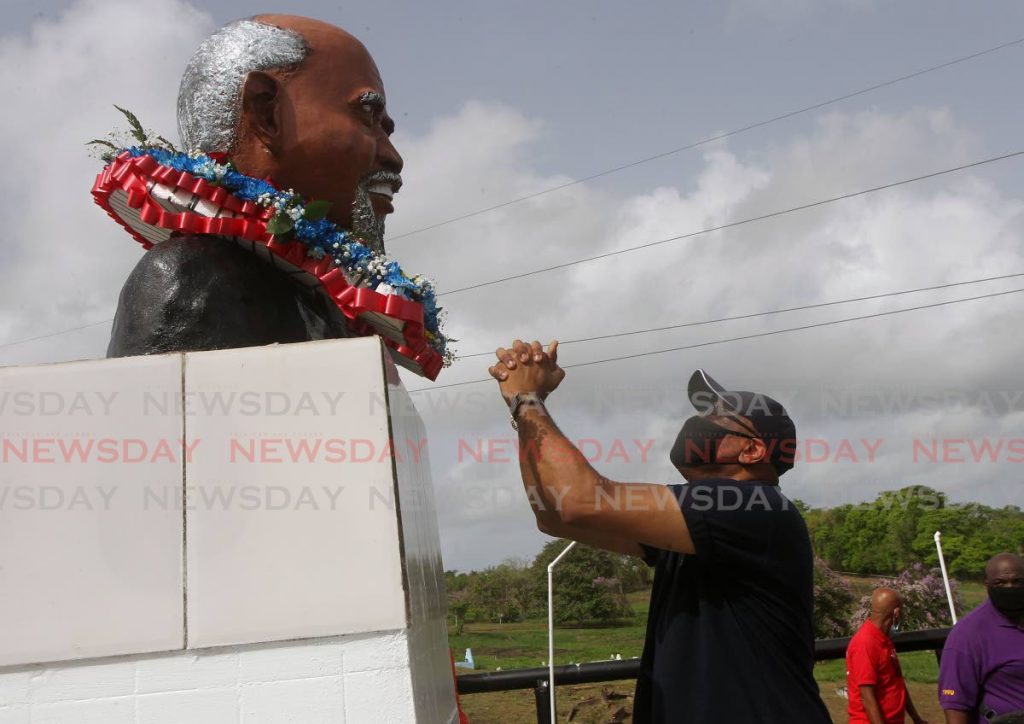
x=497, y=101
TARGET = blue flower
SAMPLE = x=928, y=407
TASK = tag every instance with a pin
x=320, y=237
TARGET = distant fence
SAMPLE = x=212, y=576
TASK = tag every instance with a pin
x=537, y=678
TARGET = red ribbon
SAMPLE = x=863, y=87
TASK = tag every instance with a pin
x=358, y=305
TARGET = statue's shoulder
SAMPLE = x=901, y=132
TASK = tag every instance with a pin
x=191, y=260
x=204, y=292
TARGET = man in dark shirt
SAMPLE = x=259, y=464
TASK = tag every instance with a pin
x=729, y=632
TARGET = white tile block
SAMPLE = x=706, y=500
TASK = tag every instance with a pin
x=304, y=701
x=369, y=652
x=379, y=696
x=303, y=547
x=15, y=715
x=15, y=686
x=85, y=568
x=184, y=671
x=120, y=710
x=78, y=682
x=204, y=706
x=279, y=662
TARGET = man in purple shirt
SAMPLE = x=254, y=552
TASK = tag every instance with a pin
x=982, y=671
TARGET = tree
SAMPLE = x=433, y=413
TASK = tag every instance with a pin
x=924, y=599
x=833, y=602
x=503, y=593
x=587, y=589
x=971, y=534
x=458, y=609
x=634, y=574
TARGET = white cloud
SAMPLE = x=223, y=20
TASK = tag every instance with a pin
x=63, y=263
x=63, y=260
x=950, y=229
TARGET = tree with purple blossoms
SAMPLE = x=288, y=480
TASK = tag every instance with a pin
x=833, y=602
x=924, y=599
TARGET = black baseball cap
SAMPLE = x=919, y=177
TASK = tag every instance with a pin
x=769, y=418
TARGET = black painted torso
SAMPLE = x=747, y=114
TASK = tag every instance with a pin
x=199, y=292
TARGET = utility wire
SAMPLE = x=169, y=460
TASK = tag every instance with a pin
x=751, y=315
x=689, y=235
x=711, y=139
x=741, y=222
x=747, y=336
x=54, y=334
x=616, y=169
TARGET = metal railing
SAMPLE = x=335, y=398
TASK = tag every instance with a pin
x=600, y=671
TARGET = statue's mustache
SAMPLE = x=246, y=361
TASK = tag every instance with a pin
x=388, y=177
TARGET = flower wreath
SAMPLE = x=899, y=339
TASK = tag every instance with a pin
x=154, y=190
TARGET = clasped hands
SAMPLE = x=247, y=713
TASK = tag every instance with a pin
x=527, y=368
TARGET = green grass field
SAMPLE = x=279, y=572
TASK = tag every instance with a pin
x=524, y=645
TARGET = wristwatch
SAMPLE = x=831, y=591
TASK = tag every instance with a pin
x=523, y=399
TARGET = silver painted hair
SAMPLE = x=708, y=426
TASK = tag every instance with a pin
x=210, y=95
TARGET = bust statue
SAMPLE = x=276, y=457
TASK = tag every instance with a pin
x=292, y=100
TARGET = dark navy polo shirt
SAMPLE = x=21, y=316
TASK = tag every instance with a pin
x=730, y=633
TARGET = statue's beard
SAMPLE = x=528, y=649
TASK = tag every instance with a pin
x=365, y=223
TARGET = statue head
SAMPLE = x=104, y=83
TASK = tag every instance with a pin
x=301, y=102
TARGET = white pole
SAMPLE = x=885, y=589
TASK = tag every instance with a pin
x=945, y=576
x=551, y=631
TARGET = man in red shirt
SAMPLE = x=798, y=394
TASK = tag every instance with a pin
x=874, y=680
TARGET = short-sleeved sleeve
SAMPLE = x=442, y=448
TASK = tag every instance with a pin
x=861, y=668
x=732, y=523
x=959, y=676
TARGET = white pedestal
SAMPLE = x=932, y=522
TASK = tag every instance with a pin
x=218, y=505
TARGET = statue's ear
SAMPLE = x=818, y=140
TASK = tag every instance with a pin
x=261, y=110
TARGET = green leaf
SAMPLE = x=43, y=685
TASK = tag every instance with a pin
x=137, y=130
x=317, y=210
x=100, y=142
x=170, y=146
x=280, y=224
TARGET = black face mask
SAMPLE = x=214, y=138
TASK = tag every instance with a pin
x=1008, y=601
x=698, y=443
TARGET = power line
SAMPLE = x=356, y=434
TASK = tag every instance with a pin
x=694, y=144
x=54, y=334
x=747, y=336
x=752, y=315
x=711, y=139
x=699, y=232
x=741, y=222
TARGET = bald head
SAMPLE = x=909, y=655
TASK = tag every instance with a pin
x=884, y=601
x=885, y=608
x=299, y=101
x=314, y=31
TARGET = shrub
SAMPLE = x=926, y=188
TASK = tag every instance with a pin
x=587, y=587
x=833, y=601
x=924, y=599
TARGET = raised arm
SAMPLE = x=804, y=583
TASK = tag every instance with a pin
x=570, y=498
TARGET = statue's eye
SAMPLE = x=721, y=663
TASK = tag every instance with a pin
x=372, y=105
